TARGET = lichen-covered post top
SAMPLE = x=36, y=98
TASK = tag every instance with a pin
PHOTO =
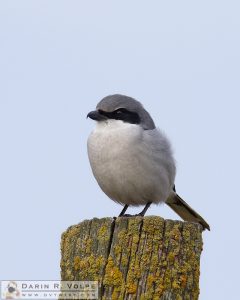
x=135, y=258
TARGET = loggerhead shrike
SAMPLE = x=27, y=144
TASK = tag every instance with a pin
x=132, y=160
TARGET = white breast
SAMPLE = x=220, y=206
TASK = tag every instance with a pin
x=131, y=165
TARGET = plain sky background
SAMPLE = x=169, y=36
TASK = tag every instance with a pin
x=57, y=60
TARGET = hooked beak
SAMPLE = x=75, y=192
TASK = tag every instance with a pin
x=96, y=115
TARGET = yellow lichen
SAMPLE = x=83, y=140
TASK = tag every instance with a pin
x=113, y=276
x=76, y=263
x=131, y=288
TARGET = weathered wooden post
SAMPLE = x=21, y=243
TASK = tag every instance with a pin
x=135, y=258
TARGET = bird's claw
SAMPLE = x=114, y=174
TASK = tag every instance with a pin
x=126, y=215
x=129, y=216
x=139, y=215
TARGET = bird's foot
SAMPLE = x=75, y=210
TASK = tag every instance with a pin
x=129, y=216
x=126, y=215
x=141, y=214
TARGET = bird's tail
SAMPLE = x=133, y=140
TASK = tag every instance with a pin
x=185, y=211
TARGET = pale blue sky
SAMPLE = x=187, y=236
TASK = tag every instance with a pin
x=57, y=60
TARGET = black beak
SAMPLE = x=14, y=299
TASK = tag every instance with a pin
x=96, y=115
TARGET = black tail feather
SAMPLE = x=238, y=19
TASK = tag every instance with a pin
x=185, y=211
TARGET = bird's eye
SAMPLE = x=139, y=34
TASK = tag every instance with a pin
x=121, y=111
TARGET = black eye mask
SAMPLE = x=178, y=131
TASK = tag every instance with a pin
x=122, y=114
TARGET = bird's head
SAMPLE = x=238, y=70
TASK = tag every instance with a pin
x=124, y=108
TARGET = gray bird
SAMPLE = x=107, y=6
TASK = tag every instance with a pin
x=132, y=160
